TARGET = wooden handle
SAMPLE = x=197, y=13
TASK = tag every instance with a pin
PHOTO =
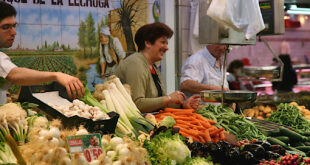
x=11, y=142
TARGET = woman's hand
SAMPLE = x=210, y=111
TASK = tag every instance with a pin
x=176, y=97
x=192, y=102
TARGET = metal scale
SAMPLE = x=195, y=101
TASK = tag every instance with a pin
x=210, y=32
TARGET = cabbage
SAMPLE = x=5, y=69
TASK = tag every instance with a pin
x=168, y=121
x=167, y=148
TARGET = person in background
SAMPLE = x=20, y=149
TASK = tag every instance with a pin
x=235, y=70
x=289, y=76
x=11, y=74
x=202, y=70
x=111, y=52
x=139, y=70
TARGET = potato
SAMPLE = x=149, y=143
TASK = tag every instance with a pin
x=251, y=113
x=261, y=118
x=256, y=113
x=294, y=103
x=268, y=114
x=261, y=108
x=246, y=112
x=267, y=109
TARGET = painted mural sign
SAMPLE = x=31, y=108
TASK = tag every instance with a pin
x=87, y=38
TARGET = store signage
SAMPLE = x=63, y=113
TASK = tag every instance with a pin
x=89, y=145
x=81, y=3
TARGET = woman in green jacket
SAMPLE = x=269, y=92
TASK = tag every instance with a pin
x=139, y=70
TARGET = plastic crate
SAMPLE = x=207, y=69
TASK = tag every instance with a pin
x=101, y=126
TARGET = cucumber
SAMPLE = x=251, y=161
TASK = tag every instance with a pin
x=274, y=133
x=284, y=139
x=303, y=148
x=306, y=133
x=276, y=141
x=294, y=136
x=307, y=143
x=296, y=150
x=297, y=144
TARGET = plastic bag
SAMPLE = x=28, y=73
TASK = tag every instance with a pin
x=240, y=15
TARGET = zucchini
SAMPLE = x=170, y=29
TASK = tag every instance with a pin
x=276, y=141
x=307, y=143
x=294, y=136
x=284, y=139
x=303, y=148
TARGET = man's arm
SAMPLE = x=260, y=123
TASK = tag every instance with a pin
x=195, y=87
x=25, y=76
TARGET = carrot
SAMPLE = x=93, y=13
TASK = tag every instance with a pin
x=184, y=134
x=182, y=118
x=211, y=129
x=182, y=125
x=205, y=124
x=211, y=121
x=201, y=139
x=187, y=113
x=201, y=128
x=185, y=123
x=222, y=136
x=196, y=122
x=216, y=131
x=190, y=132
x=178, y=110
x=207, y=136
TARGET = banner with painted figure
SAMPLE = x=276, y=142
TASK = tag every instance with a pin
x=86, y=38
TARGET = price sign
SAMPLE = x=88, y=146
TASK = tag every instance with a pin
x=90, y=145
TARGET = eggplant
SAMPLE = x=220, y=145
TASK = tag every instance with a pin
x=269, y=155
x=265, y=145
x=158, y=130
x=197, y=148
x=224, y=146
x=215, y=151
x=278, y=149
x=247, y=158
x=257, y=150
x=232, y=155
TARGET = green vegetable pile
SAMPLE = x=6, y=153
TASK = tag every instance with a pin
x=167, y=148
x=290, y=115
x=233, y=123
x=198, y=161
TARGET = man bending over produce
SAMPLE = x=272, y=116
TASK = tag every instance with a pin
x=11, y=74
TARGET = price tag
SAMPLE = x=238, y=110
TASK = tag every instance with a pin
x=90, y=145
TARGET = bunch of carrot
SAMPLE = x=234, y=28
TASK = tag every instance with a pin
x=193, y=125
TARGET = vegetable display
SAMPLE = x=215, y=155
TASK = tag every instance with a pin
x=233, y=123
x=193, y=125
x=290, y=115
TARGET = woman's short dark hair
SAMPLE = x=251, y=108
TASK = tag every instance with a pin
x=151, y=32
x=6, y=10
x=234, y=65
